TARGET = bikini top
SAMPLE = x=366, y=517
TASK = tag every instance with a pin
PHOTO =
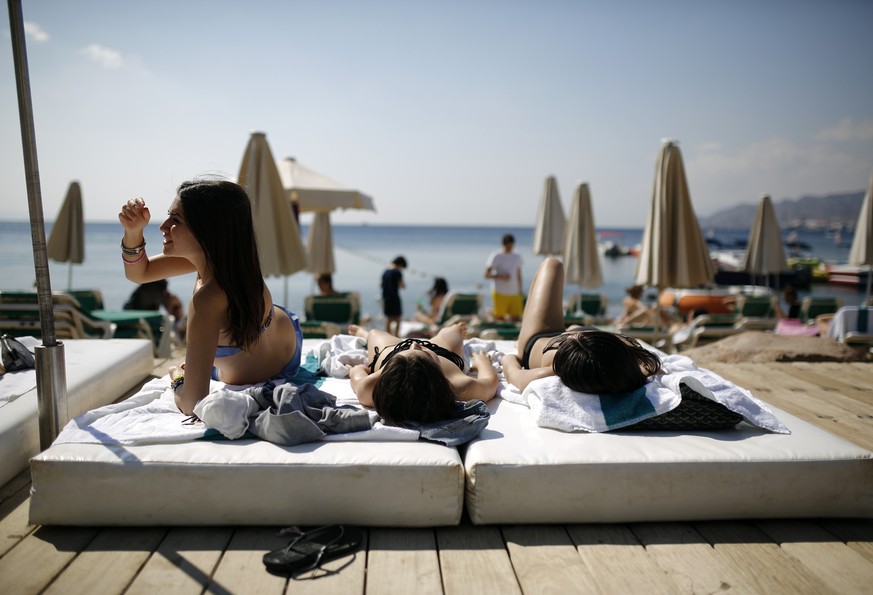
x=407, y=343
x=227, y=350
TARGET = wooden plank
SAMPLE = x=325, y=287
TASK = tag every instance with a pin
x=241, y=569
x=688, y=559
x=475, y=560
x=855, y=533
x=33, y=564
x=843, y=569
x=14, y=524
x=183, y=562
x=545, y=560
x=617, y=561
x=838, y=379
x=403, y=561
x=15, y=485
x=109, y=563
x=766, y=568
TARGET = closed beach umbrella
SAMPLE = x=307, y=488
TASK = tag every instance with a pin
x=581, y=258
x=319, y=244
x=67, y=240
x=549, y=230
x=765, y=254
x=861, y=252
x=673, y=252
x=279, y=244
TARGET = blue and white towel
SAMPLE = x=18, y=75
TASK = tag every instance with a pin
x=556, y=406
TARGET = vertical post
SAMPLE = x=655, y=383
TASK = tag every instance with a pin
x=51, y=381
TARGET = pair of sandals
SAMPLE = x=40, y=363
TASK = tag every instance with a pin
x=310, y=549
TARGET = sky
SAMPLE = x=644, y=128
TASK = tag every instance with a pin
x=445, y=112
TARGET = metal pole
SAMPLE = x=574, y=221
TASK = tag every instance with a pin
x=51, y=381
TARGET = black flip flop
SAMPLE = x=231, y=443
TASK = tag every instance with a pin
x=310, y=549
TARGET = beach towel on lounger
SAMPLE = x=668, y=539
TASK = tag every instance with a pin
x=556, y=406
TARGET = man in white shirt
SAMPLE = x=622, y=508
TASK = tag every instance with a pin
x=504, y=270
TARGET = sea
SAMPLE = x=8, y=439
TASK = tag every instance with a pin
x=362, y=252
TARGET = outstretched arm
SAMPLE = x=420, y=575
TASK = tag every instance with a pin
x=518, y=376
x=362, y=384
x=483, y=387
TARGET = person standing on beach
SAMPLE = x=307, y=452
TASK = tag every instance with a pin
x=392, y=283
x=504, y=270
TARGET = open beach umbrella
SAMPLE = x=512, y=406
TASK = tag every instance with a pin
x=279, y=244
x=765, y=253
x=67, y=240
x=313, y=192
x=549, y=231
x=581, y=257
x=673, y=252
x=861, y=252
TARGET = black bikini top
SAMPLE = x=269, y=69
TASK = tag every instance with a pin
x=407, y=343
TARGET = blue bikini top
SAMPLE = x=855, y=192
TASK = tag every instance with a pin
x=227, y=351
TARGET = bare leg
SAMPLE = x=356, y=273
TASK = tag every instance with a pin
x=452, y=337
x=544, y=311
x=375, y=339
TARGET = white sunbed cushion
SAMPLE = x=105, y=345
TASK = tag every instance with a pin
x=518, y=472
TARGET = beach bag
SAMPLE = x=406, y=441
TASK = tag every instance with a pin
x=15, y=355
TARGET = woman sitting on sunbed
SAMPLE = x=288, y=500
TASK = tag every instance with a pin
x=586, y=359
x=235, y=333
x=418, y=380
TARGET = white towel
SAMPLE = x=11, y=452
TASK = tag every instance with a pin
x=554, y=405
x=341, y=351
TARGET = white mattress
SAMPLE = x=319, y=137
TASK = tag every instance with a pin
x=248, y=482
x=98, y=371
x=520, y=473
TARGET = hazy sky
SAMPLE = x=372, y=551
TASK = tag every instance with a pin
x=444, y=111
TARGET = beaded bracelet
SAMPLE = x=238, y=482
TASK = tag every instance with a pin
x=177, y=381
x=132, y=262
x=133, y=251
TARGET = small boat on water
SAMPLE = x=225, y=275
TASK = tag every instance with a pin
x=849, y=275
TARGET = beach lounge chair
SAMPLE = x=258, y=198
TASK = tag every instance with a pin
x=756, y=312
x=459, y=306
x=342, y=308
x=587, y=308
x=19, y=316
x=814, y=306
x=153, y=325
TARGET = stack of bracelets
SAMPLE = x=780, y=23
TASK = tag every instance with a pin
x=137, y=251
x=177, y=381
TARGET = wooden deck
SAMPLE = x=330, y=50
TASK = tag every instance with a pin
x=765, y=556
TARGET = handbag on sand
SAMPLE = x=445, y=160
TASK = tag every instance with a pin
x=15, y=356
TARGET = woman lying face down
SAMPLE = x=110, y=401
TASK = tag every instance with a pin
x=414, y=380
x=586, y=359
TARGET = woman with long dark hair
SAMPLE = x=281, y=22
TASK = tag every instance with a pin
x=235, y=333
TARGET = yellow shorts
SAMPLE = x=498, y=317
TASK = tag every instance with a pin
x=507, y=305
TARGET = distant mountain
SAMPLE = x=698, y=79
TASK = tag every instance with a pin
x=832, y=211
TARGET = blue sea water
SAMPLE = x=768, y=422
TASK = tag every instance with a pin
x=457, y=253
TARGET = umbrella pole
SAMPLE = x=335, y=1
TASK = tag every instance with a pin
x=869, y=280
x=51, y=381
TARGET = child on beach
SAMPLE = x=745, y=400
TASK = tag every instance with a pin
x=418, y=380
x=236, y=333
x=392, y=283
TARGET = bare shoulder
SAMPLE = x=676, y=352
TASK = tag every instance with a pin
x=210, y=298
